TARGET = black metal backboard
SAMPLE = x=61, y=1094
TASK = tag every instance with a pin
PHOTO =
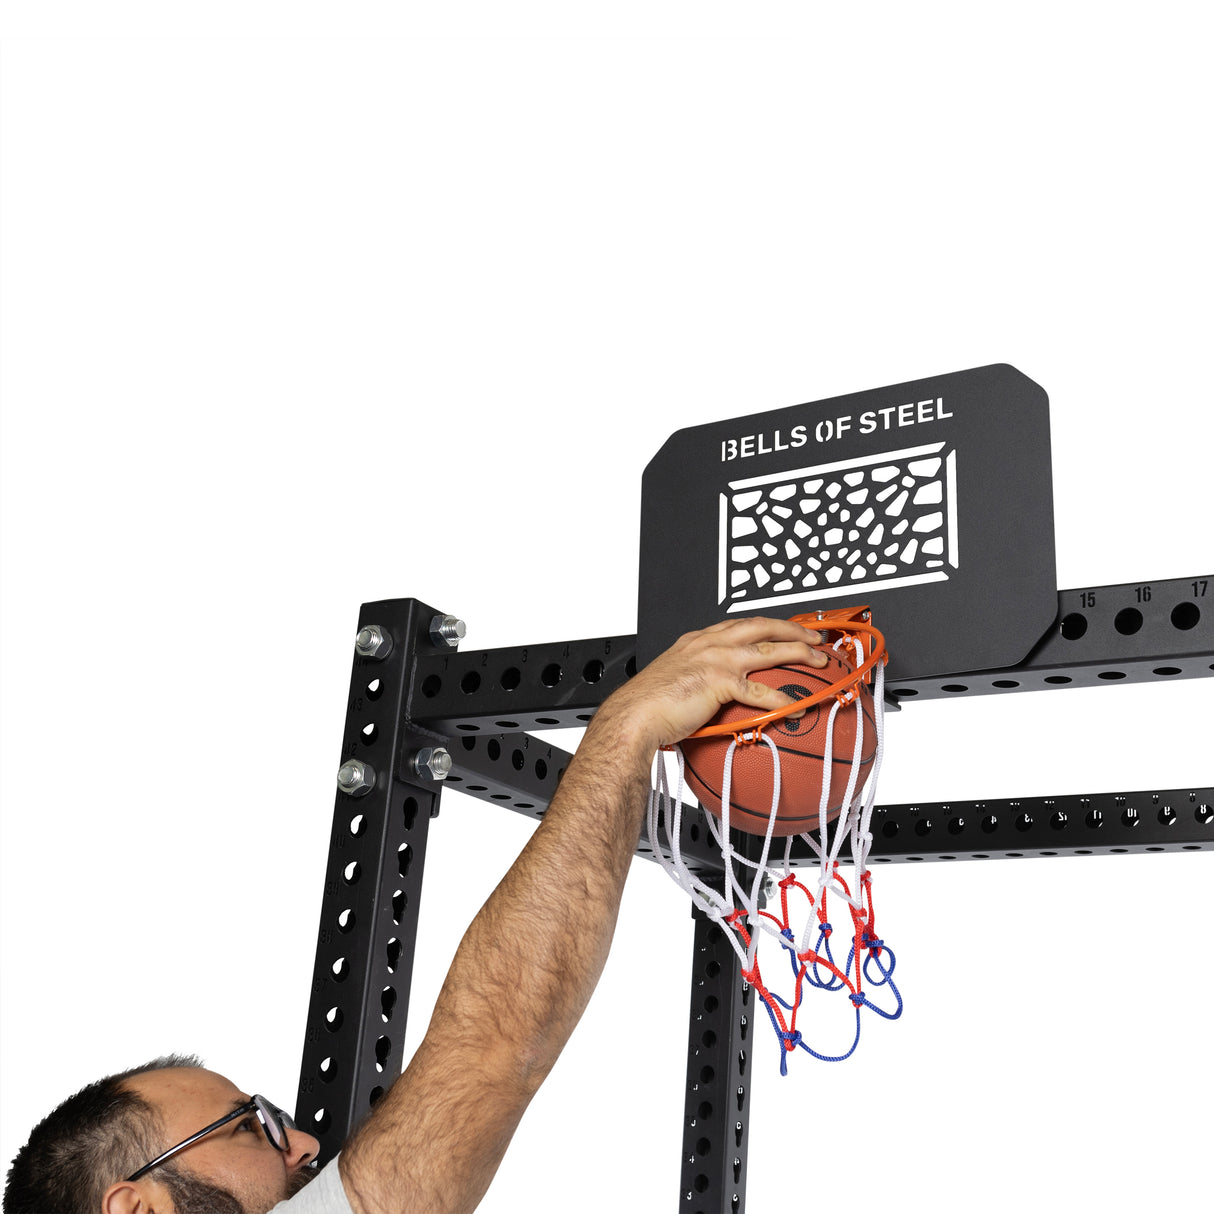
x=930, y=501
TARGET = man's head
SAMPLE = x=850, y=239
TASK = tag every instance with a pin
x=77, y=1159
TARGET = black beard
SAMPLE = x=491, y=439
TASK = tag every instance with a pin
x=300, y=1180
x=193, y=1196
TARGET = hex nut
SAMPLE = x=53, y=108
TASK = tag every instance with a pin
x=356, y=778
x=446, y=631
x=432, y=763
x=372, y=642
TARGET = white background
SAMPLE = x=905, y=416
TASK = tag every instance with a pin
x=298, y=316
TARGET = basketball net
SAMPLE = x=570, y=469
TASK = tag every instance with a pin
x=802, y=928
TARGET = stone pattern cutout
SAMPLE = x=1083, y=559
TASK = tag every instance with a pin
x=871, y=523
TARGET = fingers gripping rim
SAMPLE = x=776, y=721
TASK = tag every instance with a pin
x=847, y=622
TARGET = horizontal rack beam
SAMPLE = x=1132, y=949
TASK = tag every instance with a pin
x=1131, y=633
x=522, y=773
x=557, y=685
x=1102, y=636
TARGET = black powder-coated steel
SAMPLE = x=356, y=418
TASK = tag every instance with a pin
x=480, y=704
x=930, y=501
x=372, y=894
x=716, y=1107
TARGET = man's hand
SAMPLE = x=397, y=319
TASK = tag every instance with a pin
x=683, y=688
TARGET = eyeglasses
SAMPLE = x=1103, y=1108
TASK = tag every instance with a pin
x=273, y=1120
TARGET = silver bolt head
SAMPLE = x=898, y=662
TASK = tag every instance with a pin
x=356, y=778
x=432, y=763
x=447, y=631
x=372, y=642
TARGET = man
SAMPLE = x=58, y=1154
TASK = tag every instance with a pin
x=173, y=1138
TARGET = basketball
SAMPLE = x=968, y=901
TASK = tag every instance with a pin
x=801, y=746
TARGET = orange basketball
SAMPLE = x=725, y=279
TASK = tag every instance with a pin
x=801, y=745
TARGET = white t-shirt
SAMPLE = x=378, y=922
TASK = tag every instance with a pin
x=325, y=1195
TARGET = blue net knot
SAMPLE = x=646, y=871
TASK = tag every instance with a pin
x=791, y=1041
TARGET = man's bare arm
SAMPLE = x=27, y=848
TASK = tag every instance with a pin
x=530, y=960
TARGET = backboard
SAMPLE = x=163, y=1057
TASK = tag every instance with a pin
x=930, y=501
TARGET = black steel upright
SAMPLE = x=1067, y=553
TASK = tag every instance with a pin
x=373, y=884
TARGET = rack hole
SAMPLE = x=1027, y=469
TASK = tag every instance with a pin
x=1110, y=675
x=703, y=1146
x=383, y=1051
x=352, y=872
x=470, y=682
x=990, y=824
x=399, y=901
x=956, y=826
x=387, y=1003
x=358, y=825
x=518, y=760
x=1128, y=621
x=1094, y=819
x=346, y=920
x=593, y=671
x=431, y=686
x=1074, y=625
x=328, y=1070
x=511, y=678
x=552, y=674
x=1005, y=683
x=1186, y=616
x=393, y=951
x=370, y=733
x=1166, y=670
x=333, y=1019
x=954, y=687
x=375, y=689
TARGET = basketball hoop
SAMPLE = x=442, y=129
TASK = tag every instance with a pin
x=842, y=786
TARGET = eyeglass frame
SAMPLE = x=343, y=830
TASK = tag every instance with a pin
x=267, y=1113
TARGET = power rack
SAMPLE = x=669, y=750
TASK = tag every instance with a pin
x=422, y=715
